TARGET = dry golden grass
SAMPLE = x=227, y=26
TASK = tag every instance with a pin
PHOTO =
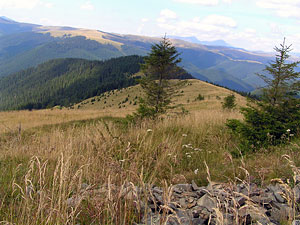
x=89, y=34
x=15, y=120
x=53, y=163
x=213, y=97
x=41, y=168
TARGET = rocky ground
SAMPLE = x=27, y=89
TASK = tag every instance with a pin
x=188, y=204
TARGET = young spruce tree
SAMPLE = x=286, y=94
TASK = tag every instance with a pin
x=229, y=102
x=159, y=67
x=276, y=118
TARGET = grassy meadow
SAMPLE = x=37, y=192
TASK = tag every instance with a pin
x=47, y=156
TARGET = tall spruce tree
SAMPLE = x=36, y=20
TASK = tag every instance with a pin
x=282, y=83
x=159, y=67
x=276, y=118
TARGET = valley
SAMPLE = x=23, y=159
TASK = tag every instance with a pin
x=28, y=45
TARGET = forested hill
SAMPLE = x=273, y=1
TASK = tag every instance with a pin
x=67, y=81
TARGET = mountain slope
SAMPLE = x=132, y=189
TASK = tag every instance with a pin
x=125, y=100
x=20, y=50
x=65, y=81
x=8, y=26
x=68, y=81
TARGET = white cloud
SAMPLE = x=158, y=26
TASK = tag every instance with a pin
x=219, y=20
x=142, y=25
x=283, y=8
x=210, y=24
x=200, y=2
x=203, y=2
x=87, y=6
x=24, y=4
x=145, y=20
x=48, y=5
x=18, y=4
x=166, y=15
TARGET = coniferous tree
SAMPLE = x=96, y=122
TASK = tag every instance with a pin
x=276, y=118
x=229, y=102
x=283, y=84
x=159, y=67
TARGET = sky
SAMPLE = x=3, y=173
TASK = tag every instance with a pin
x=257, y=25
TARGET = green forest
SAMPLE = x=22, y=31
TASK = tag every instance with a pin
x=64, y=82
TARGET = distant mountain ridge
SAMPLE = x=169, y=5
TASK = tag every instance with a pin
x=25, y=45
x=197, y=41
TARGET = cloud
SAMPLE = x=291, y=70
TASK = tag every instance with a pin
x=219, y=20
x=24, y=4
x=145, y=20
x=286, y=8
x=142, y=25
x=216, y=24
x=200, y=2
x=216, y=27
x=166, y=15
x=87, y=6
x=18, y=4
x=203, y=2
x=48, y=4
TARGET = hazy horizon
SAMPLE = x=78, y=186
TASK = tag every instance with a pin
x=256, y=25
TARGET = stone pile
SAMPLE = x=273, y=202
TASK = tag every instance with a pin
x=188, y=204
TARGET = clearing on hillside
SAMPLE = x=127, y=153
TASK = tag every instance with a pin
x=126, y=100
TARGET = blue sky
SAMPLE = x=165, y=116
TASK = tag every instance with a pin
x=251, y=24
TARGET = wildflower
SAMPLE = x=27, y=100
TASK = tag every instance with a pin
x=196, y=171
x=197, y=149
x=149, y=130
x=184, y=135
x=291, y=135
x=188, y=155
x=288, y=130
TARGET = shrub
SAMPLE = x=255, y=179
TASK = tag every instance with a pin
x=229, y=102
x=199, y=97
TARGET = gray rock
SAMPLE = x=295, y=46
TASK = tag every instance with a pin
x=84, y=186
x=177, y=190
x=279, y=198
x=201, y=192
x=194, y=186
x=228, y=219
x=157, y=190
x=241, y=201
x=182, y=203
x=274, y=188
x=183, y=187
x=71, y=202
x=281, y=212
x=208, y=202
x=296, y=191
x=198, y=221
x=158, y=198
